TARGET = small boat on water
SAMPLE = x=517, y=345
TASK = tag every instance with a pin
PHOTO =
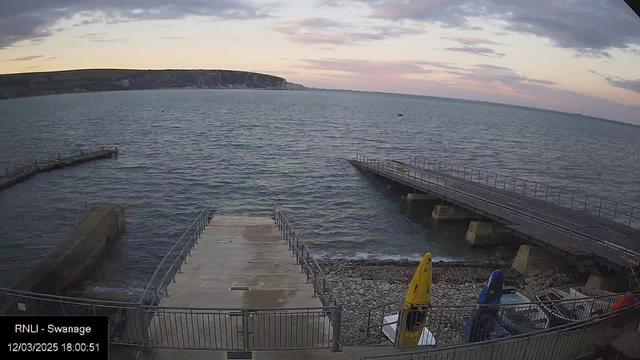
x=522, y=317
x=561, y=312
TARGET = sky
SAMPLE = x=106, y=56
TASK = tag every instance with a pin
x=577, y=56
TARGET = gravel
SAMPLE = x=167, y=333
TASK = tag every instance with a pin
x=362, y=284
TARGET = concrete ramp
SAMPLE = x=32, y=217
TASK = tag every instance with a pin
x=241, y=263
x=241, y=290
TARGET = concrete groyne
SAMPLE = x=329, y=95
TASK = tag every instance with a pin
x=77, y=254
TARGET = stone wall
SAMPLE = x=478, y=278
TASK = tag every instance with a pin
x=77, y=253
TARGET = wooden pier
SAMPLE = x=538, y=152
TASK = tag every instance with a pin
x=29, y=168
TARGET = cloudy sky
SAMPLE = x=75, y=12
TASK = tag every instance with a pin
x=577, y=56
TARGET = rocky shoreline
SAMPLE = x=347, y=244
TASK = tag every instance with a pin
x=362, y=284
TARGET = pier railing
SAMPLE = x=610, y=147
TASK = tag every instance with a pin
x=452, y=324
x=10, y=175
x=612, y=246
x=176, y=256
x=308, y=264
x=570, y=341
x=595, y=205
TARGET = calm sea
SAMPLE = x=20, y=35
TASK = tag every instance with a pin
x=244, y=150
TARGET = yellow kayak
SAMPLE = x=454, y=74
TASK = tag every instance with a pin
x=417, y=301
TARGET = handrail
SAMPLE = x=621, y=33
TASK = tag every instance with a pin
x=195, y=229
x=563, y=328
x=374, y=164
x=617, y=205
x=308, y=264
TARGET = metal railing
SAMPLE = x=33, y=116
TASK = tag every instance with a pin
x=610, y=246
x=176, y=256
x=595, y=205
x=569, y=341
x=11, y=173
x=308, y=264
x=127, y=321
x=455, y=324
x=232, y=329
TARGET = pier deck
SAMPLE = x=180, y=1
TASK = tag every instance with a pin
x=529, y=215
x=10, y=177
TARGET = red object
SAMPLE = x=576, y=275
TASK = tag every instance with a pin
x=625, y=300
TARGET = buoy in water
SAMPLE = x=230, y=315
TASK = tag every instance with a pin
x=400, y=115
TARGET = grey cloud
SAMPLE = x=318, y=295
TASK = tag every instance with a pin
x=24, y=20
x=487, y=73
x=367, y=67
x=631, y=85
x=589, y=26
x=477, y=50
x=97, y=38
x=25, y=58
x=470, y=41
x=327, y=31
x=493, y=67
x=440, y=65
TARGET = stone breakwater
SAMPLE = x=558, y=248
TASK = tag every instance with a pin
x=362, y=284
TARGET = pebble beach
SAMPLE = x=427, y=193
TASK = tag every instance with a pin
x=360, y=285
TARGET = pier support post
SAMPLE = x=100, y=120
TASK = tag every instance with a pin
x=450, y=212
x=422, y=200
x=531, y=257
x=488, y=233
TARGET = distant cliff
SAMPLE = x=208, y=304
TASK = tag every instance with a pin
x=76, y=81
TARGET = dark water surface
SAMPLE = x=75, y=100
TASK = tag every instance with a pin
x=243, y=150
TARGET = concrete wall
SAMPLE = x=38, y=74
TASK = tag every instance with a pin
x=77, y=253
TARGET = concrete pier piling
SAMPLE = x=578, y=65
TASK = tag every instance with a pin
x=531, y=257
x=450, y=212
x=489, y=233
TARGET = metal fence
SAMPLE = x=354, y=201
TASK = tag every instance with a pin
x=10, y=173
x=610, y=247
x=459, y=324
x=308, y=265
x=230, y=329
x=569, y=341
x=176, y=256
x=595, y=205
x=127, y=321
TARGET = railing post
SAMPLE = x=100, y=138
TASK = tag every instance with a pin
x=245, y=330
x=600, y=208
x=337, y=322
x=615, y=212
x=301, y=257
x=586, y=201
x=631, y=217
x=315, y=281
x=144, y=328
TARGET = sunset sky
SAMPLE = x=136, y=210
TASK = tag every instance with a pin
x=578, y=56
